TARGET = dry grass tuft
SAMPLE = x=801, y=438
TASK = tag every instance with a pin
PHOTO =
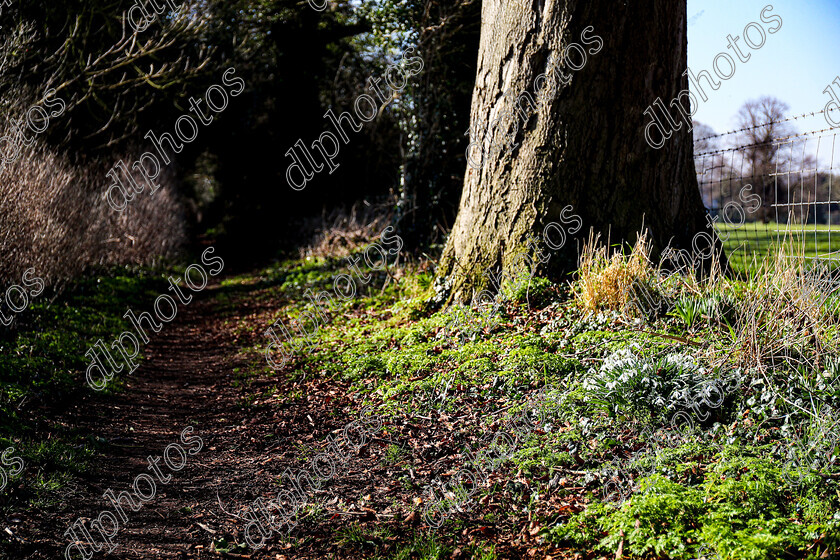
x=344, y=231
x=608, y=281
x=788, y=317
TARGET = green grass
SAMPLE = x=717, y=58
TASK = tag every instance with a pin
x=756, y=239
x=425, y=547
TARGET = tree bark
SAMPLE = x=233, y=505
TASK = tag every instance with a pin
x=585, y=144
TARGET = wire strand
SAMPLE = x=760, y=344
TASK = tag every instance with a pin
x=796, y=117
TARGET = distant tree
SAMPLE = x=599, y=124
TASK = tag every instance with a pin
x=705, y=138
x=709, y=165
x=762, y=152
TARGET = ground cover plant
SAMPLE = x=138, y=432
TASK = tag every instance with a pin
x=670, y=422
x=652, y=444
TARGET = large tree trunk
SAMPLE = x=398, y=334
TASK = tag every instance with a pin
x=585, y=145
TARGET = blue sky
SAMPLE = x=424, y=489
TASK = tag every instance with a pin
x=795, y=64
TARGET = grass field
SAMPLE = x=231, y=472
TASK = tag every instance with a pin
x=756, y=238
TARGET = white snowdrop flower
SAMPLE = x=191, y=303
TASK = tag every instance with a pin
x=682, y=361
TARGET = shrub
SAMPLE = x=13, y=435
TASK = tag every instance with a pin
x=55, y=218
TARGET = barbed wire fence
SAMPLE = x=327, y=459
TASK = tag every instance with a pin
x=758, y=192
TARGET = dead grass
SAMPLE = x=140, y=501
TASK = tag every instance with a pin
x=607, y=281
x=346, y=230
x=788, y=317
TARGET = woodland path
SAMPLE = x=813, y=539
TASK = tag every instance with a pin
x=188, y=379
x=253, y=428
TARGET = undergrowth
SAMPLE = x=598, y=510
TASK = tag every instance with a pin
x=677, y=414
x=682, y=415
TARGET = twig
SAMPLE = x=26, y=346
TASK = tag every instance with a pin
x=226, y=511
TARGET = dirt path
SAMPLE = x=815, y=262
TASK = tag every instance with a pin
x=187, y=380
x=184, y=382
x=251, y=433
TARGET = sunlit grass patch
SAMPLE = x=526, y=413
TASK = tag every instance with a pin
x=748, y=244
